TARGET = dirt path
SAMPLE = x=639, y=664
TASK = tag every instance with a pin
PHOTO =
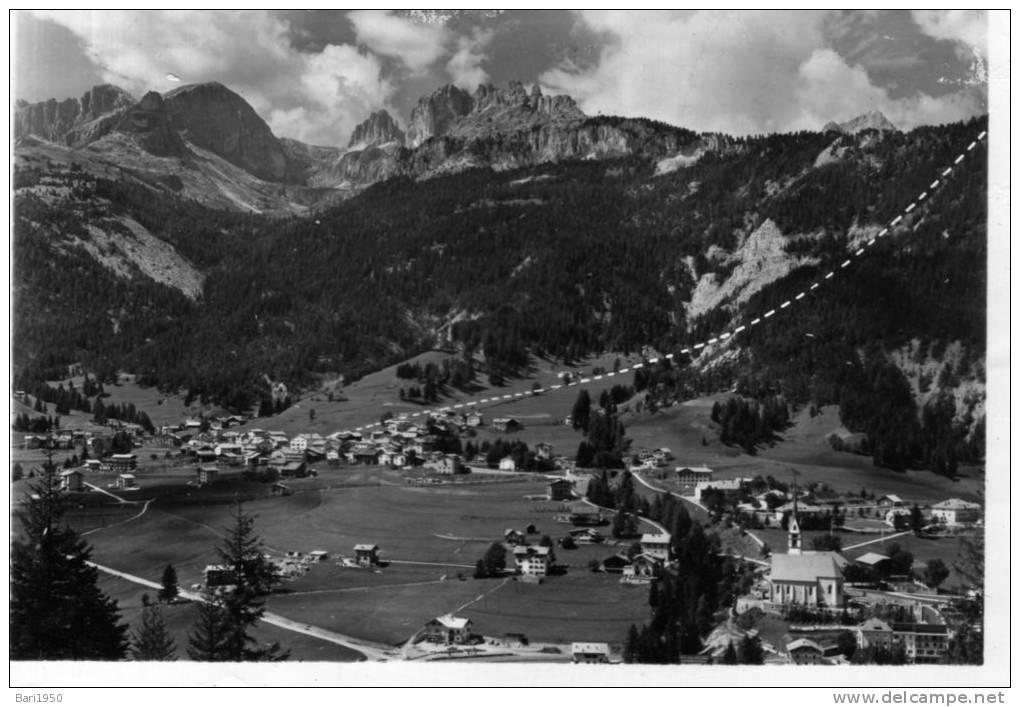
x=371, y=650
x=128, y=520
x=877, y=540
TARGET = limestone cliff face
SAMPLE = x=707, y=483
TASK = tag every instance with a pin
x=72, y=121
x=378, y=129
x=215, y=118
x=148, y=121
x=874, y=120
x=434, y=114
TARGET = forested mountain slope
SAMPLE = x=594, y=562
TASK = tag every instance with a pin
x=564, y=258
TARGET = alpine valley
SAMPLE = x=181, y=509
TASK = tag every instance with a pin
x=176, y=237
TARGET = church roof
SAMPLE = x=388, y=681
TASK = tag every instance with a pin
x=806, y=567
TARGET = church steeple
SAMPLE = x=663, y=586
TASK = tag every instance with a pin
x=793, y=530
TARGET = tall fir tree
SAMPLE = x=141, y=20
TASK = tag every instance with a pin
x=169, y=589
x=240, y=606
x=153, y=642
x=57, y=610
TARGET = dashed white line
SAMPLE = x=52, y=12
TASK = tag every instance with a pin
x=653, y=360
x=598, y=378
x=933, y=184
x=971, y=146
x=769, y=313
x=860, y=251
x=844, y=263
x=922, y=196
x=800, y=295
x=739, y=329
x=958, y=160
x=896, y=220
x=756, y=320
x=699, y=346
x=909, y=208
x=829, y=275
x=785, y=304
x=882, y=232
x=624, y=370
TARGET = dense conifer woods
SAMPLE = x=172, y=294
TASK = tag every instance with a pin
x=561, y=259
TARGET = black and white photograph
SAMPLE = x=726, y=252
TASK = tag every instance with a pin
x=577, y=348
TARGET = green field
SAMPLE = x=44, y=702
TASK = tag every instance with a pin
x=430, y=539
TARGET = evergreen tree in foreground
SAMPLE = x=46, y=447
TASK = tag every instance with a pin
x=153, y=641
x=57, y=609
x=168, y=592
x=229, y=613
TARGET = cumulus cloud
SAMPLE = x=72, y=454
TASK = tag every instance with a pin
x=465, y=66
x=416, y=44
x=736, y=72
x=966, y=27
x=317, y=97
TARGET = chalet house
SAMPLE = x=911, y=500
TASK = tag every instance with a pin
x=448, y=629
x=589, y=652
x=874, y=633
x=890, y=501
x=92, y=465
x=122, y=463
x=662, y=455
x=474, y=419
x=297, y=469
x=584, y=514
x=507, y=464
x=506, y=424
x=693, y=475
x=366, y=555
x=299, y=443
x=871, y=560
x=656, y=545
x=514, y=537
x=126, y=482
x=363, y=454
x=218, y=576
x=804, y=651
x=543, y=450
x=955, y=512
x=72, y=480
x=448, y=464
x=207, y=474
x=278, y=438
x=893, y=513
x=586, y=536
x=333, y=457
x=224, y=449
x=533, y=560
x=615, y=564
x=645, y=565
x=392, y=457
x=561, y=490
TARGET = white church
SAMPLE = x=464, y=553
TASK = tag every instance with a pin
x=806, y=578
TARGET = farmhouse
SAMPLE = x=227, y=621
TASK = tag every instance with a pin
x=956, y=512
x=507, y=464
x=874, y=633
x=448, y=629
x=543, y=450
x=890, y=501
x=656, y=545
x=589, y=652
x=561, y=490
x=71, y=480
x=586, y=536
x=585, y=514
x=506, y=424
x=474, y=419
x=615, y=564
x=533, y=560
x=366, y=555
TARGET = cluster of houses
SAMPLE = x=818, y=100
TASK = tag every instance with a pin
x=396, y=443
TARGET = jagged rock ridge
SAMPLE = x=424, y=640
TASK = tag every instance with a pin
x=873, y=120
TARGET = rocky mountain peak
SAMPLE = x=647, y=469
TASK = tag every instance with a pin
x=872, y=120
x=211, y=116
x=378, y=129
x=68, y=121
x=434, y=113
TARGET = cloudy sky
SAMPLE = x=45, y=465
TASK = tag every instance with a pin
x=313, y=75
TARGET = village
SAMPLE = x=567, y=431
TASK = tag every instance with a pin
x=800, y=602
